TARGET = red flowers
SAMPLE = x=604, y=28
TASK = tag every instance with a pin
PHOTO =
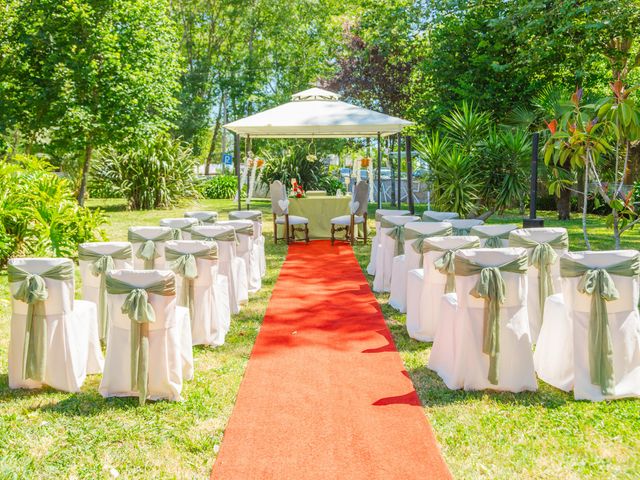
x=297, y=189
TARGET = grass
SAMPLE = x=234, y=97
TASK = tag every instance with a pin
x=483, y=435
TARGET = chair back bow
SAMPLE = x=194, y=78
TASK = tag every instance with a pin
x=100, y=265
x=542, y=255
x=491, y=287
x=446, y=263
x=419, y=238
x=137, y=307
x=186, y=266
x=147, y=250
x=598, y=284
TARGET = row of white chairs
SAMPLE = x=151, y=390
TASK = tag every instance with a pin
x=150, y=300
x=554, y=300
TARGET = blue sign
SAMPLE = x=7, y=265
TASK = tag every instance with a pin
x=227, y=159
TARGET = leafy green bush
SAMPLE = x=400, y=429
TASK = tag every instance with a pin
x=220, y=187
x=332, y=184
x=294, y=164
x=39, y=214
x=154, y=175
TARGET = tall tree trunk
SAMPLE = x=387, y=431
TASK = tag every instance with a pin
x=627, y=176
x=212, y=146
x=563, y=202
x=85, y=173
x=585, y=194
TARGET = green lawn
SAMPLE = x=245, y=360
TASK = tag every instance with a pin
x=483, y=435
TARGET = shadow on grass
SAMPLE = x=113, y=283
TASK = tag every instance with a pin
x=433, y=392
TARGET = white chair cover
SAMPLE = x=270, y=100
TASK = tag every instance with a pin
x=496, y=232
x=375, y=240
x=553, y=356
x=229, y=264
x=539, y=235
x=150, y=233
x=410, y=260
x=168, y=354
x=258, y=238
x=433, y=216
x=182, y=224
x=212, y=318
x=384, y=257
x=73, y=346
x=204, y=217
x=424, y=300
x=557, y=338
x=91, y=282
x=463, y=227
x=247, y=251
x=457, y=354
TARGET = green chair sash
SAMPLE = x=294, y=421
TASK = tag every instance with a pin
x=419, y=238
x=33, y=291
x=598, y=284
x=461, y=232
x=185, y=265
x=446, y=263
x=492, y=288
x=147, y=250
x=254, y=217
x=224, y=236
x=491, y=241
x=100, y=265
x=397, y=233
x=137, y=307
x=244, y=230
x=542, y=256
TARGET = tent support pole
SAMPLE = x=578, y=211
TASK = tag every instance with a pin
x=379, y=179
x=407, y=144
x=236, y=161
x=399, y=171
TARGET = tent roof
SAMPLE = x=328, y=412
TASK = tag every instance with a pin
x=317, y=113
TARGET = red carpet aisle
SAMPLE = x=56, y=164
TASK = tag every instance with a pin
x=325, y=394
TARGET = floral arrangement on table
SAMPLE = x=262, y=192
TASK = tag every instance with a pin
x=296, y=189
x=365, y=162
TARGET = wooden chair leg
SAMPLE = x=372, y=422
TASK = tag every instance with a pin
x=306, y=232
x=364, y=227
x=286, y=229
x=352, y=230
x=275, y=231
x=333, y=234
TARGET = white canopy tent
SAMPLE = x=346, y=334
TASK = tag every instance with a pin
x=318, y=113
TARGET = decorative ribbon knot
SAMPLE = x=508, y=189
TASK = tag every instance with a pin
x=461, y=231
x=102, y=265
x=493, y=242
x=147, y=252
x=176, y=233
x=446, y=265
x=32, y=289
x=542, y=257
x=136, y=305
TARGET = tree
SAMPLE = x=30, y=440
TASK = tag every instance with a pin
x=90, y=73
